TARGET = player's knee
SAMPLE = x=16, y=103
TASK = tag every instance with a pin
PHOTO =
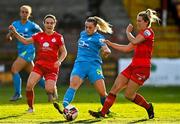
x=29, y=86
x=74, y=85
x=14, y=70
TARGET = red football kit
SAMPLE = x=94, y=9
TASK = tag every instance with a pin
x=47, y=51
x=139, y=69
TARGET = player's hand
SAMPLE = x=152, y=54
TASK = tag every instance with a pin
x=12, y=28
x=107, y=42
x=57, y=64
x=129, y=28
x=105, y=53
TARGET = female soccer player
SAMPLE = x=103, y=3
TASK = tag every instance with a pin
x=51, y=52
x=134, y=76
x=88, y=61
x=26, y=53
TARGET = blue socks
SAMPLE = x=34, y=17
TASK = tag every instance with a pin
x=42, y=82
x=69, y=96
x=102, y=99
x=17, y=83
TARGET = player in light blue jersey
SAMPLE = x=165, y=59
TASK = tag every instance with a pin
x=26, y=53
x=88, y=61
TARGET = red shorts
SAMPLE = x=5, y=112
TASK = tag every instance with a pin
x=137, y=74
x=49, y=74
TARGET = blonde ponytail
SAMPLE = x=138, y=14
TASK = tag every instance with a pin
x=103, y=26
x=150, y=16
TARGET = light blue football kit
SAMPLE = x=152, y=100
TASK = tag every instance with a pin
x=88, y=62
x=26, y=52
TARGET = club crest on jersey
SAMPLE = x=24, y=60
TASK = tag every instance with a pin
x=53, y=40
x=89, y=38
x=45, y=44
x=147, y=33
x=26, y=29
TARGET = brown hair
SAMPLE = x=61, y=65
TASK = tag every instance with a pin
x=50, y=16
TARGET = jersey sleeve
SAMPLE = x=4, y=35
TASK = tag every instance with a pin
x=100, y=41
x=147, y=34
x=35, y=37
x=61, y=40
x=36, y=27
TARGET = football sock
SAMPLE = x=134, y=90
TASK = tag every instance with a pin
x=69, y=96
x=102, y=99
x=42, y=83
x=110, y=99
x=30, y=98
x=139, y=100
x=17, y=83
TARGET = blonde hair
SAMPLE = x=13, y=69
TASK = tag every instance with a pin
x=102, y=25
x=150, y=16
x=29, y=8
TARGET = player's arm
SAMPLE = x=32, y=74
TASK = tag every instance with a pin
x=105, y=51
x=9, y=36
x=19, y=37
x=134, y=40
x=63, y=53
x=119, y=47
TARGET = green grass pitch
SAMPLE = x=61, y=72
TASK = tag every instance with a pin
x=166, y=101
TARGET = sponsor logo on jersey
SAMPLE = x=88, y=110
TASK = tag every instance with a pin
x=83, y=44
x=45, y=44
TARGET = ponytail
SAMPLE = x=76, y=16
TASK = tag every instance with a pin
x=102, y=25
x=150, y=16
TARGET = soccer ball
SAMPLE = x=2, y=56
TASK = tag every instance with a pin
x=70, y=113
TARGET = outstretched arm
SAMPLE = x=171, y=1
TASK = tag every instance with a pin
x=119, y=47
x=134, y=40
x=19, y=37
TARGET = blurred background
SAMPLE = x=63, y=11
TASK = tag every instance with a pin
x=71, y=15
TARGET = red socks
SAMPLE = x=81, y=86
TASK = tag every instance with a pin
x=110, y=99
x=30, y=98
x=139, y=100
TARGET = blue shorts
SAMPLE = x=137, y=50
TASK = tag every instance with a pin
x=90, y=70
x=27, y=55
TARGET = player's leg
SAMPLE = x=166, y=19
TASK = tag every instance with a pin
x=119, y=84
x=77, y=76
x=33, y=79
x=132, y=95
x=75, y=83
x=17, y=66
x=101, y=89
x=29, y=68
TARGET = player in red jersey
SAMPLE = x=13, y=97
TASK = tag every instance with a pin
x=134, y=76
x=51, y=52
